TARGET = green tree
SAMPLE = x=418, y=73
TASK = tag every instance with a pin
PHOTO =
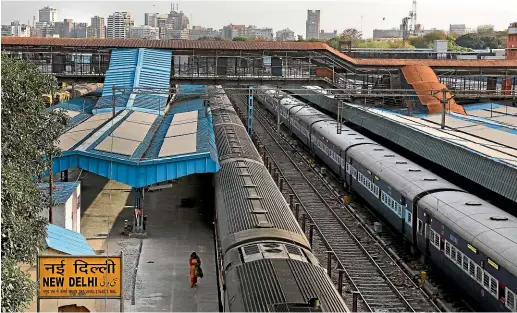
x=471, y=40
x=299, y=38
x=29, y=134
x=491, y=42
x=427, y=41
x=352, y=35
x=241, y=39
x=485, y=30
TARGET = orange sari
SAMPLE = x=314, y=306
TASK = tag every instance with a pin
x=193, y=277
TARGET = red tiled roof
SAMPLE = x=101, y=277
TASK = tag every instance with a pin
x=246, y=45
x=163, y=44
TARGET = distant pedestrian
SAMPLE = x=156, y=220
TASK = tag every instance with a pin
x=195, y=269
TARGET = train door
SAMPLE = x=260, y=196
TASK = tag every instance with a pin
x=418, y=225
x=341, y=164
x=427, y=230
x=403, y=205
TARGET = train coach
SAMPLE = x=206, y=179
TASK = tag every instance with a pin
x=470, y=240
x=264, y=259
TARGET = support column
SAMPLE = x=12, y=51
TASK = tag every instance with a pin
x=250, y=111
x=139, y=215
x=64, y=175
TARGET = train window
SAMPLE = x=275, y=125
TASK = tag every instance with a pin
x=511, y=301
x=354, y=172
x=494, y=287
x=453, y=253
x=459, y=257
x=447, y=249
x=466, y=263
x=479, y=274
x=486, y=280
x=348, y=168
x=472, y=268
x=409, y=218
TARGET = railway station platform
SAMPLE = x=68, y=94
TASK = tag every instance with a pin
x=161, y=282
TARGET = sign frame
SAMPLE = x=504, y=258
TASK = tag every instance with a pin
x=121, y=297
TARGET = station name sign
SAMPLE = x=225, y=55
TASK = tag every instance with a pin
x=79, y=276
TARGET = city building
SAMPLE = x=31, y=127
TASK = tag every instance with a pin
x=285, y=35
x=144, y=32
x=259, y=33
x=169, y=33
x=80, y=30
x=199, y=32
x=231, y=31
x=97, y=29
x=16, y=30
x=64, y=29
x=153, y=19
x=511, y=52
x=44, y=29
x=457, y=29
x=387, y=34
x=312, y=25
x=48, y=15
x=178, y=20
x=324, y=35
x=119, y=24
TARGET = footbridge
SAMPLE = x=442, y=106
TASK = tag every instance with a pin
x=221, y=62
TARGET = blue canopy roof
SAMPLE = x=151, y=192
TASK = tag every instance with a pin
x=67, y=241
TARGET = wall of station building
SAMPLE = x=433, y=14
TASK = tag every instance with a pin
x=511, y=53
x=68, y=214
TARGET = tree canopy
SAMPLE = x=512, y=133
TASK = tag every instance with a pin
x=29, y=134
x=478, y=41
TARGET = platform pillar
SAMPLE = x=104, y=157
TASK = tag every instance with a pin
x=64, y=175
x=138, y=217
x=250, y=111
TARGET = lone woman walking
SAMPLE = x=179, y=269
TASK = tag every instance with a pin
x=195, y=263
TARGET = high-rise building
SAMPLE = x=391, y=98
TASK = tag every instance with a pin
x=144, y=32
x=178, y=20
x=119, y=24
x=154, y=19
x=80, y=30
x=97, y=29
x=457, y=29
x=285, y=35
x=312, y=25
x=44, y=29
x=511, y=50
x=48, y=15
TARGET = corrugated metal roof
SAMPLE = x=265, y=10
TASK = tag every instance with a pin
x=61, y=191
x=250, y=46
x=260, y=285
x=67, y=241
x=478, y=162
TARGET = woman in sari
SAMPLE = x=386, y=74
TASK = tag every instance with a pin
x=195, y=263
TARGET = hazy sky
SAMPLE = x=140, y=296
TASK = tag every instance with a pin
x=339, y=14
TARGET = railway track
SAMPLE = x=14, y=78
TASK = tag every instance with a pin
x=382, y=284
